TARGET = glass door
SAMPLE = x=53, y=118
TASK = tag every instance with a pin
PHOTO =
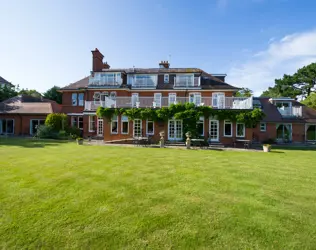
x=214, y=130
x=175, y=130
x=100, y=127
x=34, y=124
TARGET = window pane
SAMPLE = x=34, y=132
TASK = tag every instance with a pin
x=74, y=99
x=240, y=130
x=137, y=128
x=124, y=127
x=91, y=123
x=80, y=122
x=74, y=121
x=114, y=127
x=228, y=128
x=200, y=128
x=80, y=98
x=150, y=127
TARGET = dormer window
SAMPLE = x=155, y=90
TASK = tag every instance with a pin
x=166, y=78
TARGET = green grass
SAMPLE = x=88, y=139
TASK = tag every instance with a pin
x=61, y=195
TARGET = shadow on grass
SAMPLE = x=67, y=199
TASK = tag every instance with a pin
x=306, y=148
x=30, y=142
x=276, y=152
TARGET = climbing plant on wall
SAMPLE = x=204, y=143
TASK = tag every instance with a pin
x=188, y=113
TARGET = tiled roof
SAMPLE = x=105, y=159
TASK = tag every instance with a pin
x=4, y=81
x=83, y=83
x=273, y=115
x=28, y=105
x=208, y=81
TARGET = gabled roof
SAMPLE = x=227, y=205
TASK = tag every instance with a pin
x=4, y=81
x=25, y=104
x=273, y=115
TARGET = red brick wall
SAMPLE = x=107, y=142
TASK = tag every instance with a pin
x=163, y=126
x=67, y=103
x=22, y=123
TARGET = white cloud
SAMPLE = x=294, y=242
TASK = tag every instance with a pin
x=281, y=57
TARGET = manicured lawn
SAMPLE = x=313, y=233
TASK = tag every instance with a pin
x=60, y=195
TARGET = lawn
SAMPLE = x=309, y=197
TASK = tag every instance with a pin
x=65, y=196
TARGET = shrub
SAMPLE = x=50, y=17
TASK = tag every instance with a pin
x=57, y=121
x=46, y=132
x=73, y=132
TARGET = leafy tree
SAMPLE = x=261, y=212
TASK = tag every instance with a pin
x=302, y=83
x=53, y=94
x=310, y=101
x=31, y=92
x=244, y=92
x=7, y=92
x=56, y=121
x=271, y=92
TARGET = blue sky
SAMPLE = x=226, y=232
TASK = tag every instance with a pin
x=46, y=43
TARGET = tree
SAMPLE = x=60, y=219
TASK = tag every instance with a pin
x=310, y=101
x=31, y=92
x=302, y=83
x=244, y=92
x=271, y=92
x=7, y=92
x=53, y=94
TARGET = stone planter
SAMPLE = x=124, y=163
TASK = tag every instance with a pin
x=188, y=140
x=266, y=148
x=79, y=141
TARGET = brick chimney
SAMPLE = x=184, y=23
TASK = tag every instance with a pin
x=164, y=64
x=97, y=60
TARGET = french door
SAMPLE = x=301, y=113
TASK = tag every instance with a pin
x=100, y=127
x=34, y=123
x=214, y=130
x=6, y=126
x=175, y=130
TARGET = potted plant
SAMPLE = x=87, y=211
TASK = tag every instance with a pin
x=266, y=148
x=79, y=140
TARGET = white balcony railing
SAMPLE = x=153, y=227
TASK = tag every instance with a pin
x=291, y=111
x=186, y=81
x=149, y=102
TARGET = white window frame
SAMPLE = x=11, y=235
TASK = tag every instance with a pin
x=96, y=97
x=74, y=97
x=80, y=101
x=265, y=127
x=38, y=124
x=147, y=133
x=91, y=123
x=76, y=118
x=195, y=95
x=201, y=120
x=114, y=119
x=140, y=121
x=122, y=121
x=231, y=129
x=6, y=121
x=166, y=78
x=134, y=99
x=244, y=130
x=158, y=99
x=175, y=98
x=216, y=103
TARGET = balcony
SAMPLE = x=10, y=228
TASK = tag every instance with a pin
x=151, y=102
x=142, y=81
x=105, y=80
x=294, y=111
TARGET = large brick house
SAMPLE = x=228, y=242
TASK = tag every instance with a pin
x=153, y=88
x=286, y=119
